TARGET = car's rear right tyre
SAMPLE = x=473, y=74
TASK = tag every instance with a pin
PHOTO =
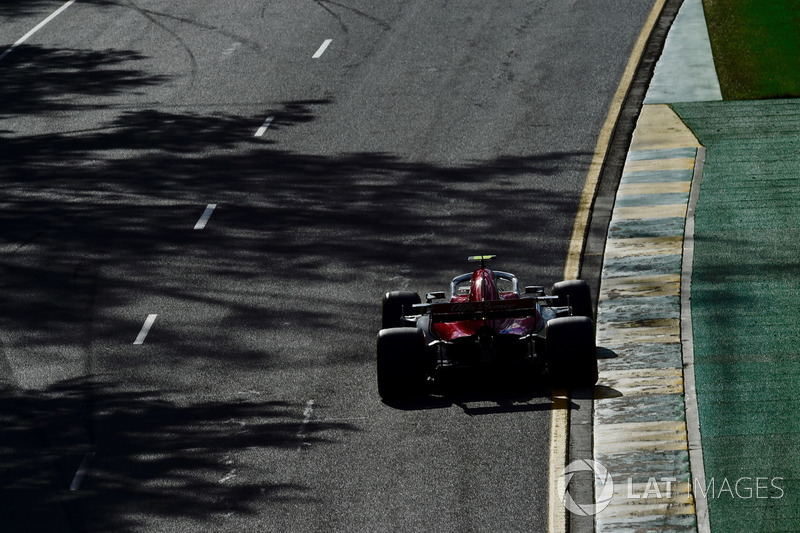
x=401, y=363
x=396, y=305
x=571, y=352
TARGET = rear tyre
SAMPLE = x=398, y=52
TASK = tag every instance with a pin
x=576, y=294
x=571, y=356
x=401, y=363
x=396, y=305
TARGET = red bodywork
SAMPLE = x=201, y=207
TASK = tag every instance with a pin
x=483, y=288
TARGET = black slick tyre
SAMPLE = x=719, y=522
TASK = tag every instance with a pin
x=576, y=294
x=396, y=305
x=401, y=363
x=571, y=354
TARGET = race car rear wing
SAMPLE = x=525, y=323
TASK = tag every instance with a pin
x=454, y=312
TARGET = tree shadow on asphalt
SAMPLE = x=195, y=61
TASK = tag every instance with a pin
x=39, y=80
x=89, y=211
x=153, y=456
x=24, y=8
x=97, y=220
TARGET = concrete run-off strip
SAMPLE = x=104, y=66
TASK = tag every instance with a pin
x=645, y=424
x=640, y=432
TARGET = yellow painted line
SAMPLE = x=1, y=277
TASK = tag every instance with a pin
x=643, y=442
x=639, y=447
x=572, y=267
x=671, y=323
x=656, y=446
x=643, y=382
x=644, y=246
x=641, y=431
x=556, y=516
x=659, y=127
x=666, y=507
x=648, y=165
x=658, y=285
x=655, y=211
x=679, y=492
x=629, y=336
x=641, y=374
x=645, y=500
x=559, y=429
x=627, y=189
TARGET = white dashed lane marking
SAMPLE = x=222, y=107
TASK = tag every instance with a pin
x=148, y=323
x=322, y=48
x=301, y=433
x=36, y=28
x=83, y=469
x=263, y=129
x=201, y=223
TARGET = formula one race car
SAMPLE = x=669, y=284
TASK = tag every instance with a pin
x=487, y=324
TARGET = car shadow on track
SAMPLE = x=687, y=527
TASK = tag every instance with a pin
x=486, y=398
x=478, y=405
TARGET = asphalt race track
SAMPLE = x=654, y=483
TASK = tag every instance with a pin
x=202, y=206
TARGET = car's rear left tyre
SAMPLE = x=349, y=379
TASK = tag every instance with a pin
x=396, y=305
x=571, y=352
x=401, y=363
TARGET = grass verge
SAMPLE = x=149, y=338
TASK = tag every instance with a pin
x=756, y=47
